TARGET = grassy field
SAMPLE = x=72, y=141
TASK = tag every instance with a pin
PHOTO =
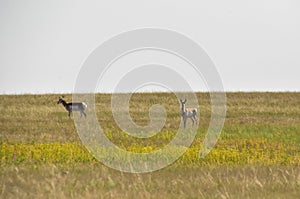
x=256, y=156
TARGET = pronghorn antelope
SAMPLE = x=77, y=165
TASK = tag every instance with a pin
x=73, y=106
x=188, y=113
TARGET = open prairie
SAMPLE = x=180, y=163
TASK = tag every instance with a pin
x=257, y=154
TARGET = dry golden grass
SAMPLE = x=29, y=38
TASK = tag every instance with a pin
x=257, y=154
x=176, y=181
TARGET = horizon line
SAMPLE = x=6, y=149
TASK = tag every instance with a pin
x=149, y=92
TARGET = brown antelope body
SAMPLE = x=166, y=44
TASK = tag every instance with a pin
x=188, y=113
x=73, y=106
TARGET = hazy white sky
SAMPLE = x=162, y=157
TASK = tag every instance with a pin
x=254, y=44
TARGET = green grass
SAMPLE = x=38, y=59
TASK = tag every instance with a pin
x=256, y=156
